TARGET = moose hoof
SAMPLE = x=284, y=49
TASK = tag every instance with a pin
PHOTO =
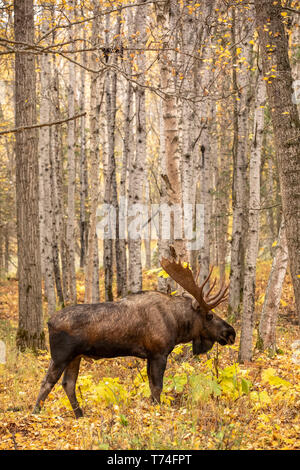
x=78, y=413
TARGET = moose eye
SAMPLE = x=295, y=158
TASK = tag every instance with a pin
x=209, y=316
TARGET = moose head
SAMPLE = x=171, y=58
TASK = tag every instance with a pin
x=213, y=328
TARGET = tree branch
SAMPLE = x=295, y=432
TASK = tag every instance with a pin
x=45, y=124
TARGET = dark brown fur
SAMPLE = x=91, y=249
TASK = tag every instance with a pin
x=147, y=325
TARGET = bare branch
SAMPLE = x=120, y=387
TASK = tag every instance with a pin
x=35, y=126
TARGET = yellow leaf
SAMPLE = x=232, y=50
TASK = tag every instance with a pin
x=283, y=13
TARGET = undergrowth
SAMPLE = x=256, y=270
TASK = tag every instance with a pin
x=208, y=402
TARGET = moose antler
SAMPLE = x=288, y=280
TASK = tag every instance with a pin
x=184, y=277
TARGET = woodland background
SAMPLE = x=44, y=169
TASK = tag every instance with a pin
x=152, y=102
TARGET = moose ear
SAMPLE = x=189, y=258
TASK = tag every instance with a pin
x=195, y=304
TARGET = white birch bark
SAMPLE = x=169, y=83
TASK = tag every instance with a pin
x=248, y=315
x=71, y=168
x=128, y=152
x=223, y=190
x=83, y=171
x=110, y=192
x=269, y=314
x=92, y=281
x=205, y=183
x=241, y=113
x=189, y=75
x=148, y=230
x=166, y=19
x=137, y=167
x=206, y=164
x=162, y=247
x=59, y=240
x=46, y=210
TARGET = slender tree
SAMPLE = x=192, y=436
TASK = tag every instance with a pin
x=166, y=15
x=83, y=170
x=245, y=352
x=46, y=162
x=91, y=278
x=269, y=314
x=286, y=125
x=30, y=327
x=240, y=76
x=70, y=229
x=137, y=167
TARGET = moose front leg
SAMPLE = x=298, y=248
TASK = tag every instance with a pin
x=155, y=369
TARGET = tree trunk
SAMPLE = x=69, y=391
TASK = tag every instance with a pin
x=137, y=167
x=91, y=284
x=59, y=252
x=240, y=28
x=1, y=251
x=166, y=18
x=148, y=232
x=46, y=198
x=245, y=352
x=286, y=125
x=110, y=192
x=127, y=155
x=223, y=189
x=269, y=314
x=30, y=328
x=70, y=235
x=83, y=170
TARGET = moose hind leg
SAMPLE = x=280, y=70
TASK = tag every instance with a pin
x=155, y=369
x=69, y=384
x=53, y=374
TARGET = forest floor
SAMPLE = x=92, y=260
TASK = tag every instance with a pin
x=209, y=402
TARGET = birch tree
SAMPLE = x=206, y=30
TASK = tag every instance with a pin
x=248, y=315
x=240, y=77
x=46, y=160
x=269, y=314
x=137, y=165
x=83, y=170
x=127, y=155
x=206, y=158
x=166, y=15
x=91, y=278
x=71, y=294
x=59, y=242
x=111, y=240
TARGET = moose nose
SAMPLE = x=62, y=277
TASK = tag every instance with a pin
x=227, y=336
x=230, y=335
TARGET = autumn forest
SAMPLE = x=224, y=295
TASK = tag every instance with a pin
x=149, y=210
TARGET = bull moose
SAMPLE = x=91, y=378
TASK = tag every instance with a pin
x=148, y=325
